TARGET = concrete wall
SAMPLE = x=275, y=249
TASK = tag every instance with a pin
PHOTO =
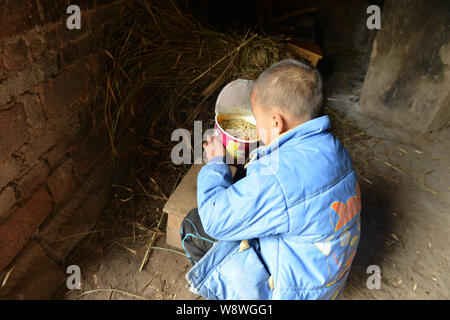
x=54, y=169
x=408, y=78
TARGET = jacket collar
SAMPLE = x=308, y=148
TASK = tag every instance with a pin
x=301, y=132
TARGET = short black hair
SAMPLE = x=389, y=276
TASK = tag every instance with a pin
x=292, y=86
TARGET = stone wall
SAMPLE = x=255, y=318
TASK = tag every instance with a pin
x=408, y=78
x=54, y=159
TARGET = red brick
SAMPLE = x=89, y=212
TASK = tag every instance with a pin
x=20, y=225
x=33, y=178
x=58, y=94
x=88, y=152
x=34, y=276
x=74, y=218
x=57, y=36
x=3, y=72
x=15, y=54
x=61, y=148
x=32, y=73
x=61, y=182
x=36, y=147
x=7, y=199
x=13, y=130
x=9, y=169
x=33, y=110
x=17, y=16
x=37, y=46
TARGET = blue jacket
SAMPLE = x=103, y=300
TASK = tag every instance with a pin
x=298, y=207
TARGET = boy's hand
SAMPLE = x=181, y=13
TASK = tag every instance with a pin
x=213, y=147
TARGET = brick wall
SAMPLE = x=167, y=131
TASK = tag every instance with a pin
x=54, y=168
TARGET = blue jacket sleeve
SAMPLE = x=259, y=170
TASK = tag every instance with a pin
x=253, y=207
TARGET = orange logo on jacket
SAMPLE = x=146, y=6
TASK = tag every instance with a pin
x=347, y=211
x=348, y=264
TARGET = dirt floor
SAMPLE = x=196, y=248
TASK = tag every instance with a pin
x=406, y=197
x=405, y=215
x=118, y=269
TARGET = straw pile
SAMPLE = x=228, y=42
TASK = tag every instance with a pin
x=177, y=62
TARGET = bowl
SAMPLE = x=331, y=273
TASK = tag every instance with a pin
x=239, y=149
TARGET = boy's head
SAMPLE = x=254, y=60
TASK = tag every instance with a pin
x=285, y=95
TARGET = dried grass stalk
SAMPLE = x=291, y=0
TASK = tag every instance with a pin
x=177, y=62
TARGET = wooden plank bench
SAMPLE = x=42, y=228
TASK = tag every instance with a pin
x=180, y=202
x=306, y=49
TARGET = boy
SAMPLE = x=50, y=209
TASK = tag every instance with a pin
x=290, y=228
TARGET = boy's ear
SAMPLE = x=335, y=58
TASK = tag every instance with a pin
x=278, y=122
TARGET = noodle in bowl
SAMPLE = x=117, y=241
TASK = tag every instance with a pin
x=243, y=126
